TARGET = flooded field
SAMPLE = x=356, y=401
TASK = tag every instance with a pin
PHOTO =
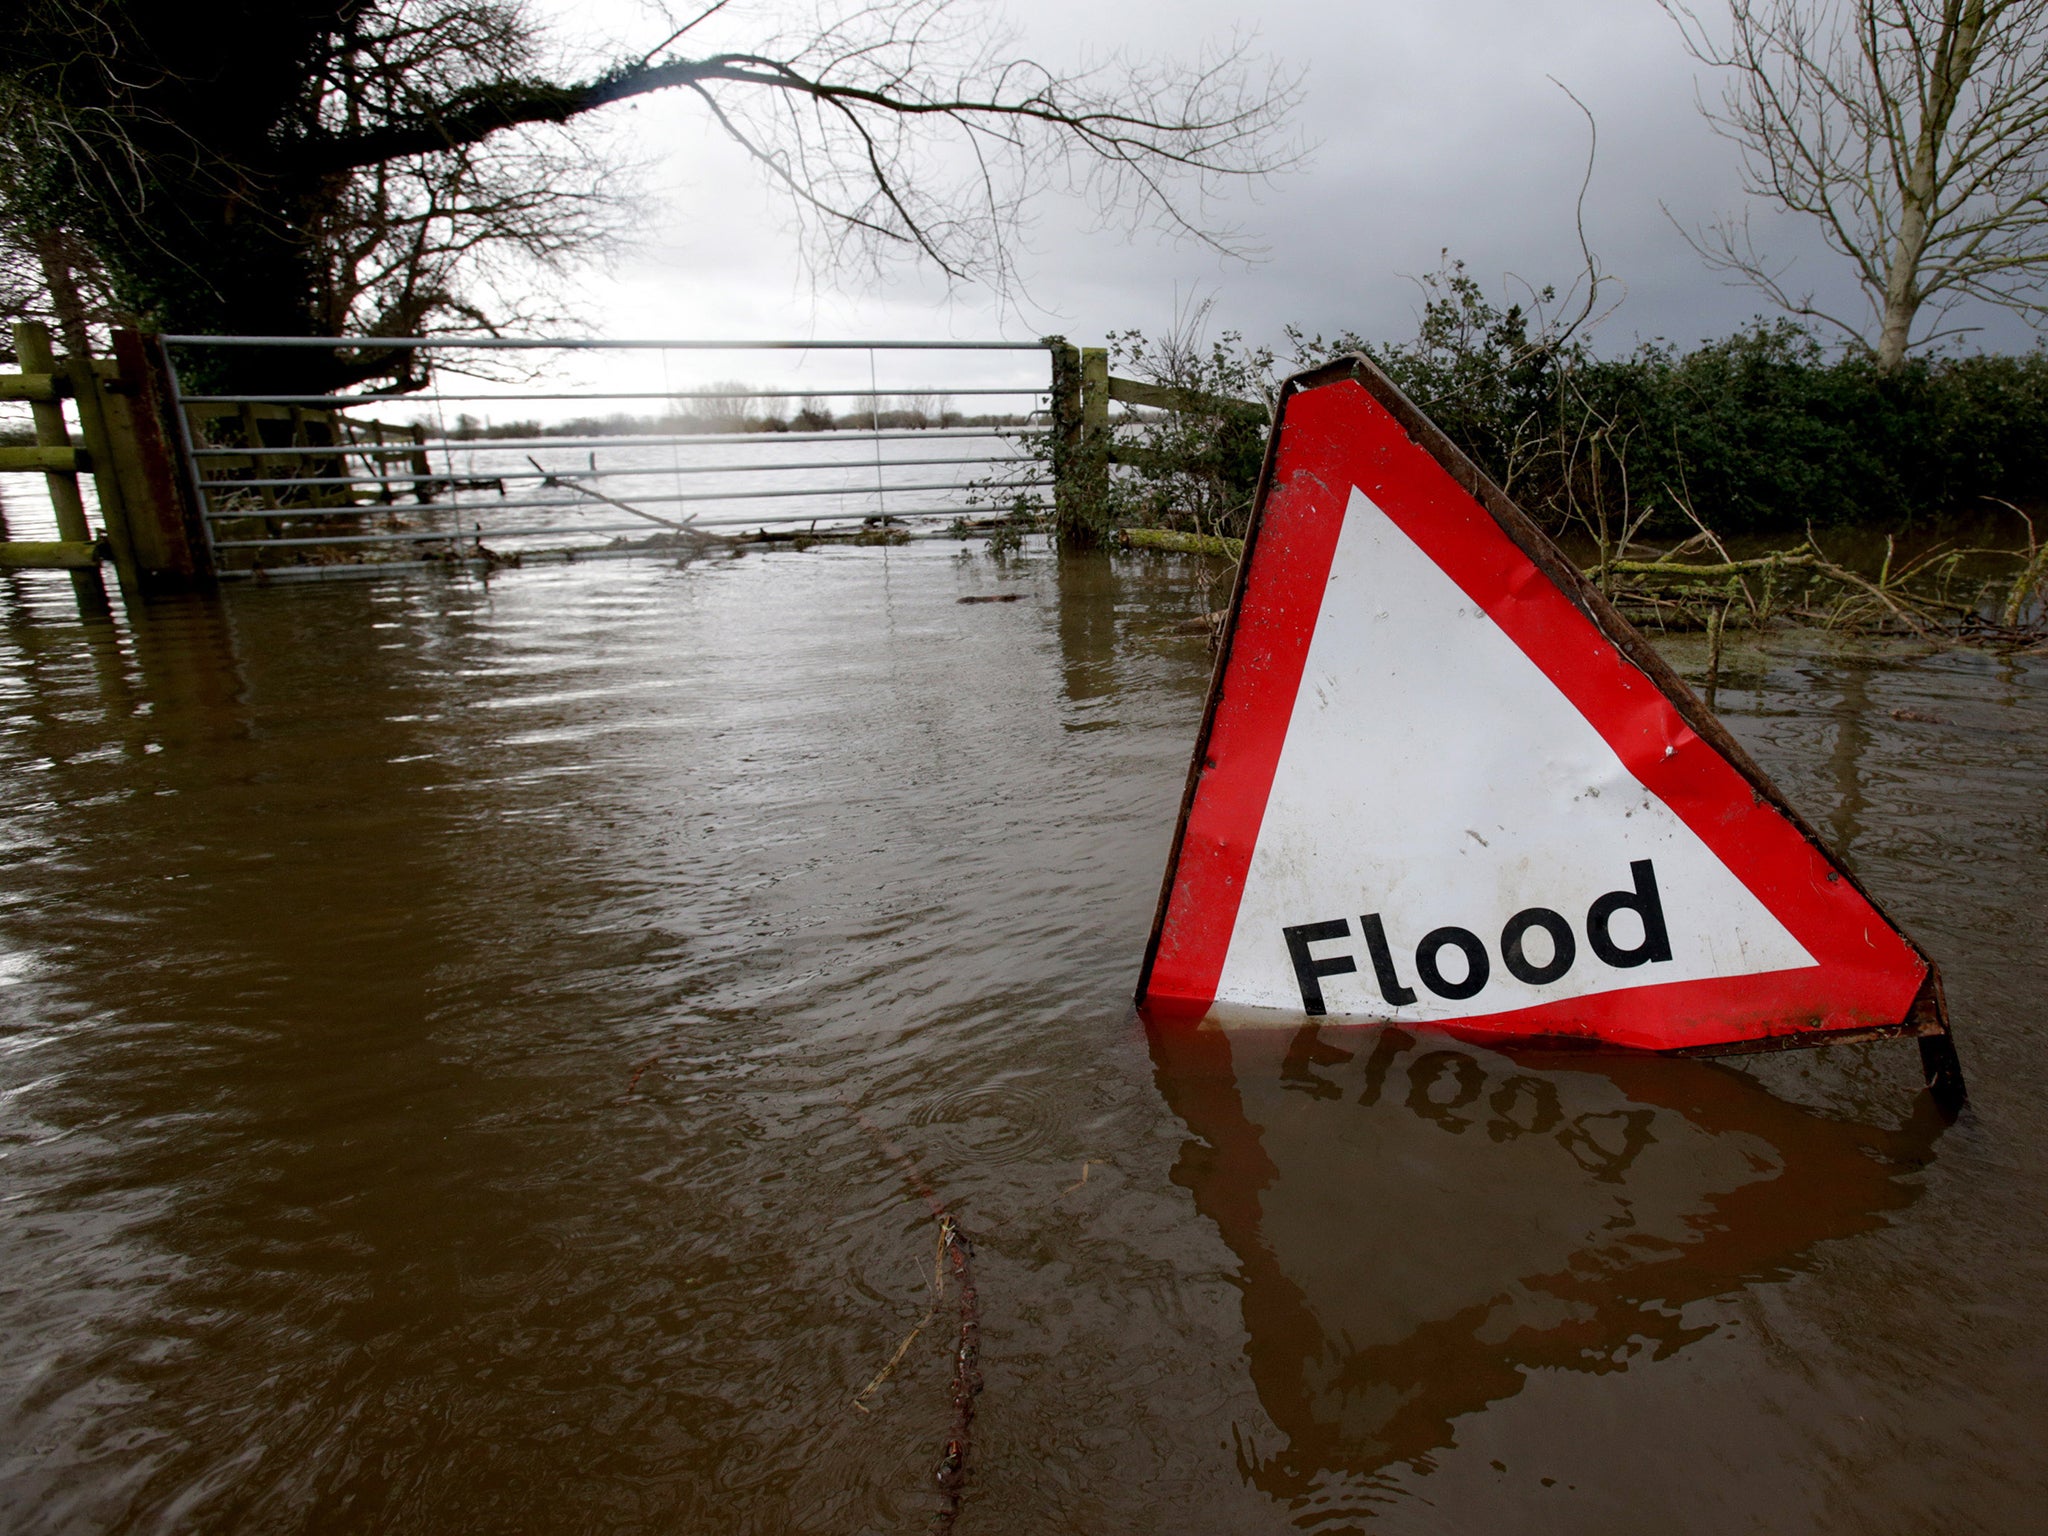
x=453, y=1036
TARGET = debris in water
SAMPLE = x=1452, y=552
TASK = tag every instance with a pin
x=938, y=1294
x=639, y=1072
x=956, y=1253
x=1084, y=1176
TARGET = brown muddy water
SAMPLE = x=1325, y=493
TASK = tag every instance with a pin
x=439, y=1019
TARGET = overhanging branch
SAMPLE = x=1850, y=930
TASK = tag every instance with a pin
x=476, y=114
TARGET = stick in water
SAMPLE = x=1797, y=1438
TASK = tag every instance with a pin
x=958, y=1255
x=557, y=483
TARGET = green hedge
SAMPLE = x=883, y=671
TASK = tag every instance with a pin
x=1762, y=431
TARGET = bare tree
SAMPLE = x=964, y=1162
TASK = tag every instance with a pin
x=310, y=166
x=1914, y=131
x=48, y=277
x=910, y=125
x=729, y=405
x=466, y=236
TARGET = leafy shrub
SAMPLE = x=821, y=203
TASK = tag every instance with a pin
x=1194, y=469
x=1758, y=432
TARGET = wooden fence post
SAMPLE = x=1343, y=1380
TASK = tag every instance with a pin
x=164, y=522
x=1080, y=444
x=146, y=517
x=1089, y=528
x=1095, y=395
x=1066, y=434
x=422, y=467
x=32, y=347
x=103, y=447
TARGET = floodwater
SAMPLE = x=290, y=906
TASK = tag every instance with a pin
x=453, y=1039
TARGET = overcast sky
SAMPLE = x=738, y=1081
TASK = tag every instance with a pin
x=1434, y=125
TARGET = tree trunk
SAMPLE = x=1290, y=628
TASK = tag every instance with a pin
x=1956, y=51
x=65, y=299
x=1902, y=293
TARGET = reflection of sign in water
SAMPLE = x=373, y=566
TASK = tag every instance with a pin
x=1419, y=1224
x=1441, y=781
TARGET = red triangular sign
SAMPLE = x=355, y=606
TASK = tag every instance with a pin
x=1441, y=782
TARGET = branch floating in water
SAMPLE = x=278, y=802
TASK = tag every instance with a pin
x=957, y=1254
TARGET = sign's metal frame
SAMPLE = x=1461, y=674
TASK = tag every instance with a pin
x=1927, y=1020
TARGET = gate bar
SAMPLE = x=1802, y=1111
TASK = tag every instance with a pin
x=628, y=440
x=598, y=344
x=823, y=522
x=603, y=474
x=338, y=401
x=667, y=499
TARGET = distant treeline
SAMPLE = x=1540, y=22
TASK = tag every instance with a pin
x=735, y=409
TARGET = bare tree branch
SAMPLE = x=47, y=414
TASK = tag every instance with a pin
x=1141, y=131
x=312, y=166
x=1915, y=132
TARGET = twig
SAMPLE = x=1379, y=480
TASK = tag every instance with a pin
x=1677, y=568
x=938, y=1294
x=638, y=1072
x=1717, y=622
x=1851, y=579
x=957, y=1253
x=1081, y=1180
x=2031, y=573
x=860, y=1398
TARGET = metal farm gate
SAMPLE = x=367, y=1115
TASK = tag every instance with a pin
x=521, y=450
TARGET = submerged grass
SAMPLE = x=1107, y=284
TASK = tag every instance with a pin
x=1941, y=589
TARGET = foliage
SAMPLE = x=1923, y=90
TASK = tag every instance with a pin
x=1195, y=469
x=1758, y=432
x=32, y=264
x=1491, y=376
x=209, y=178
x=1763, y=431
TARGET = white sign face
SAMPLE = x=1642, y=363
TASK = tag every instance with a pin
x=1440, y=782
x=1447, y=822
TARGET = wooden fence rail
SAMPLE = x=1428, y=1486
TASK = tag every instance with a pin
x=60, y=461
x=147, y=529
x=1083, y=440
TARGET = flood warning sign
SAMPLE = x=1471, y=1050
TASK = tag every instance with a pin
x=1441, y=782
